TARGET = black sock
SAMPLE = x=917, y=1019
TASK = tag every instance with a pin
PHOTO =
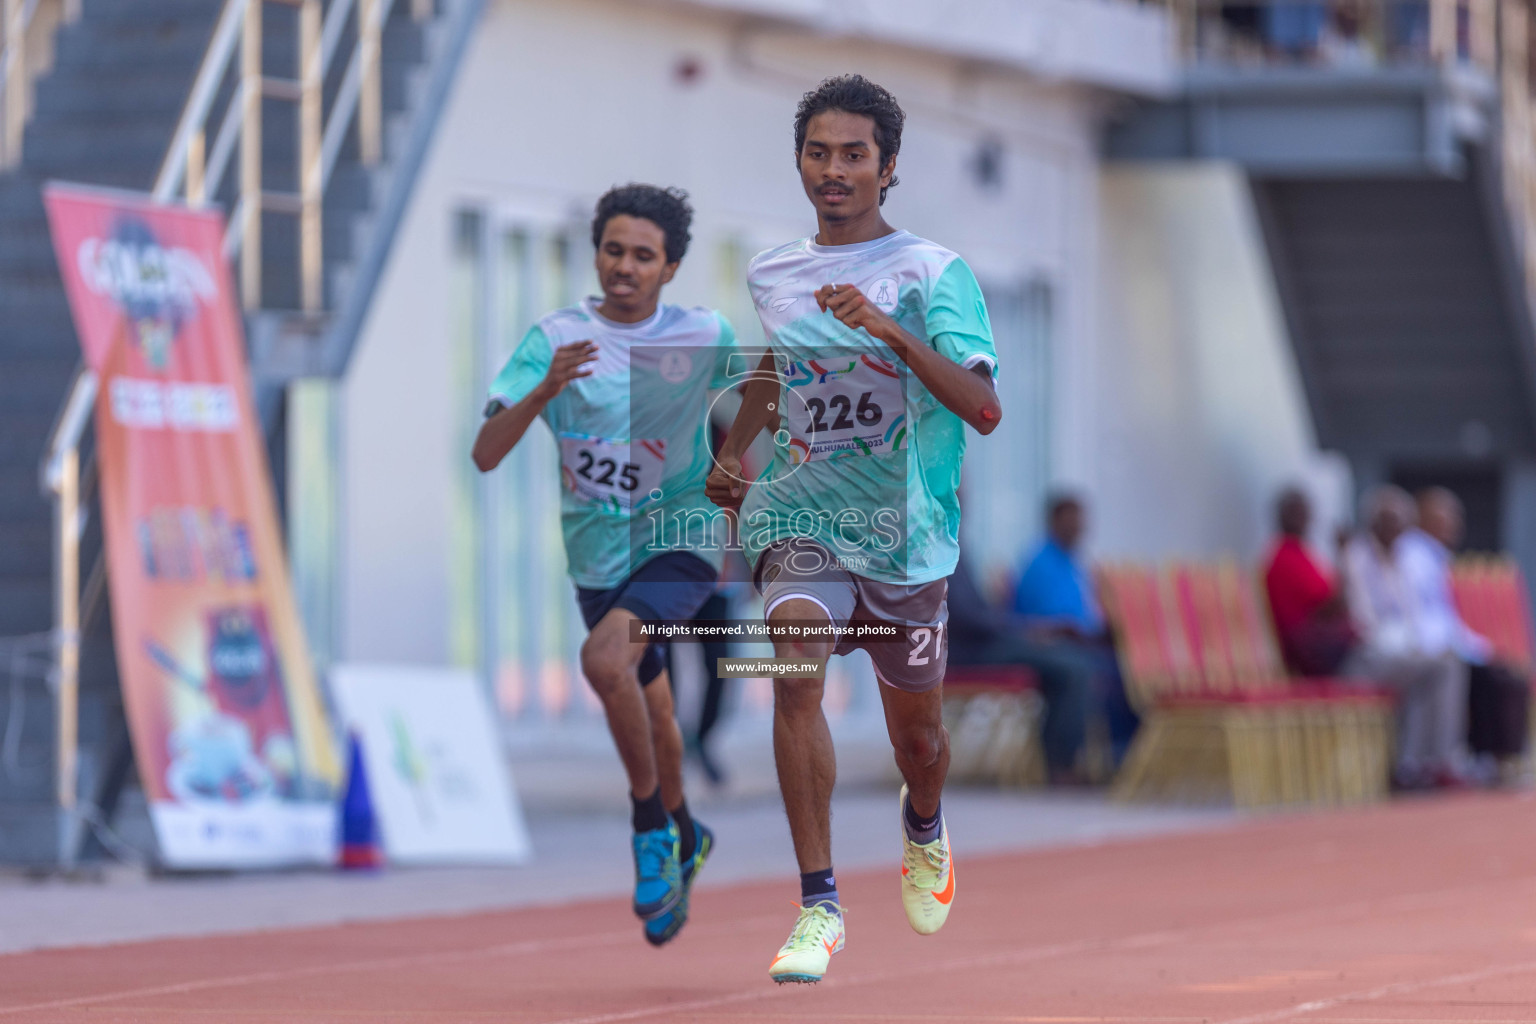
x=650, y=813
x=687, y=838
x=920, y=829
x=818, y=887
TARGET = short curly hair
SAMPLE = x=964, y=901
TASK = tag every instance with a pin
x=667, y=208
x=856, y=95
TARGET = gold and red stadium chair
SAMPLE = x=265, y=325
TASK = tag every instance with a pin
x=1491, y=596
x=992, y=713
x=1220, y=718
x=1346, y=727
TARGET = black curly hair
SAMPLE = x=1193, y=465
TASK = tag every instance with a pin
x=667, y=208
x=857, y=95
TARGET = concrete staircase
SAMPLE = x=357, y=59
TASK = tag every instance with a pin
x=1399, y=265
x=105, y=115
x=1403, y=319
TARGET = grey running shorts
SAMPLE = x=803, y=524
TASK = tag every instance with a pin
x=913, y=660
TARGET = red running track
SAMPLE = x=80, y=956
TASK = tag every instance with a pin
x=1417, y=912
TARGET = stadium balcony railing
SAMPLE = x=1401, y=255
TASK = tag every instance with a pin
x=1486, y=39
x=1357, y=34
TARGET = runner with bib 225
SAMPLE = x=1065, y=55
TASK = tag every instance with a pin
x=624, y=385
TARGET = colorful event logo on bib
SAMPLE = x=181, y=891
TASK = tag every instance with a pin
x=844, y=407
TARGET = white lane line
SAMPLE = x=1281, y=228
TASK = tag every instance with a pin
x=615, y=938
x=1383, y=991
x=413, y=960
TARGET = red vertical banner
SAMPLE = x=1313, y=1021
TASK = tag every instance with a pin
x=233, y=746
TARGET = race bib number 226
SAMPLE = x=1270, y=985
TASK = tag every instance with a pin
x=853, y=407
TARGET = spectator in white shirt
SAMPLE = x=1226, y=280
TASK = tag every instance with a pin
x=1431, y=685
x=1499, y=696
x=1424, y=552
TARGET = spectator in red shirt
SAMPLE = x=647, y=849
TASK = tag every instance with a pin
x=1310, y=615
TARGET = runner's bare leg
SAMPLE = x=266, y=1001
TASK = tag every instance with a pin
x=915, y=722
x=666, y=739
x=802, y=743
x=609, y=659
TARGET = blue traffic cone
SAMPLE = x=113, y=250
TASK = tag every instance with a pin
x=359, y=828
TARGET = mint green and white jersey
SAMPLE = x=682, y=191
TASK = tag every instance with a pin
x=867, y=462
x=633, y=437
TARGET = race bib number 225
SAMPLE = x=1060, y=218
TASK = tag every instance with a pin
x=618, y=474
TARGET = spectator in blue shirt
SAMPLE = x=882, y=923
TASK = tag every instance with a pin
x=1295, y=29
x=1054, y=593
x=981, y=633
x=1055, y=599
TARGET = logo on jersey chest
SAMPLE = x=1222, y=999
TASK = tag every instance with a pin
x=675, y=367
x=883, y=293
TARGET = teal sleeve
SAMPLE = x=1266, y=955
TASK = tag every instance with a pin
x=957, y=322
x=725, y=348
x=524, y=370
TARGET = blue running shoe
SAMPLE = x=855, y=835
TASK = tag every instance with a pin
x=659, y=930
x=658, y=876
x=703, y=846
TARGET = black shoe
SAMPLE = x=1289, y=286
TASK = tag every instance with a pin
x=712, y=770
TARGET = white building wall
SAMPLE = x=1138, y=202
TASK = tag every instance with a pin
x=1152, y=406
x=1200, y=417
x=555, y=103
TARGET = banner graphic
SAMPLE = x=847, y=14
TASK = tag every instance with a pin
x=233, y=746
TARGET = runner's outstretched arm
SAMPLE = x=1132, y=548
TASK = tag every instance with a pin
x=725, y=486
x=968, y=394
x=500, y=433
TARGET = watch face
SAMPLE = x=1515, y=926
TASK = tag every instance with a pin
x=493, y=407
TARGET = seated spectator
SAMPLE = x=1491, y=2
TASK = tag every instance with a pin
x=1055, y=600
x=1344, y=43
x=1499, y=697
x=983, y=634
x=1054, y=593
x=1408, y=29
x=1311, y=619
x=1295, y=29
x=1431, y=686
x=1241, y=36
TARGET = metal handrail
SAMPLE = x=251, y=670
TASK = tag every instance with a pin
x=321, y=137
x=15, y=79
x=74, y=416
x=209, y=74
x=13, y=73
x=185, y=148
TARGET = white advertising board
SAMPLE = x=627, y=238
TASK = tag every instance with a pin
x=441, y=789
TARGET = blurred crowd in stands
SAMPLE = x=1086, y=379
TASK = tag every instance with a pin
x=1341, y=33
x=1384, y=619
x=1387, y=616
